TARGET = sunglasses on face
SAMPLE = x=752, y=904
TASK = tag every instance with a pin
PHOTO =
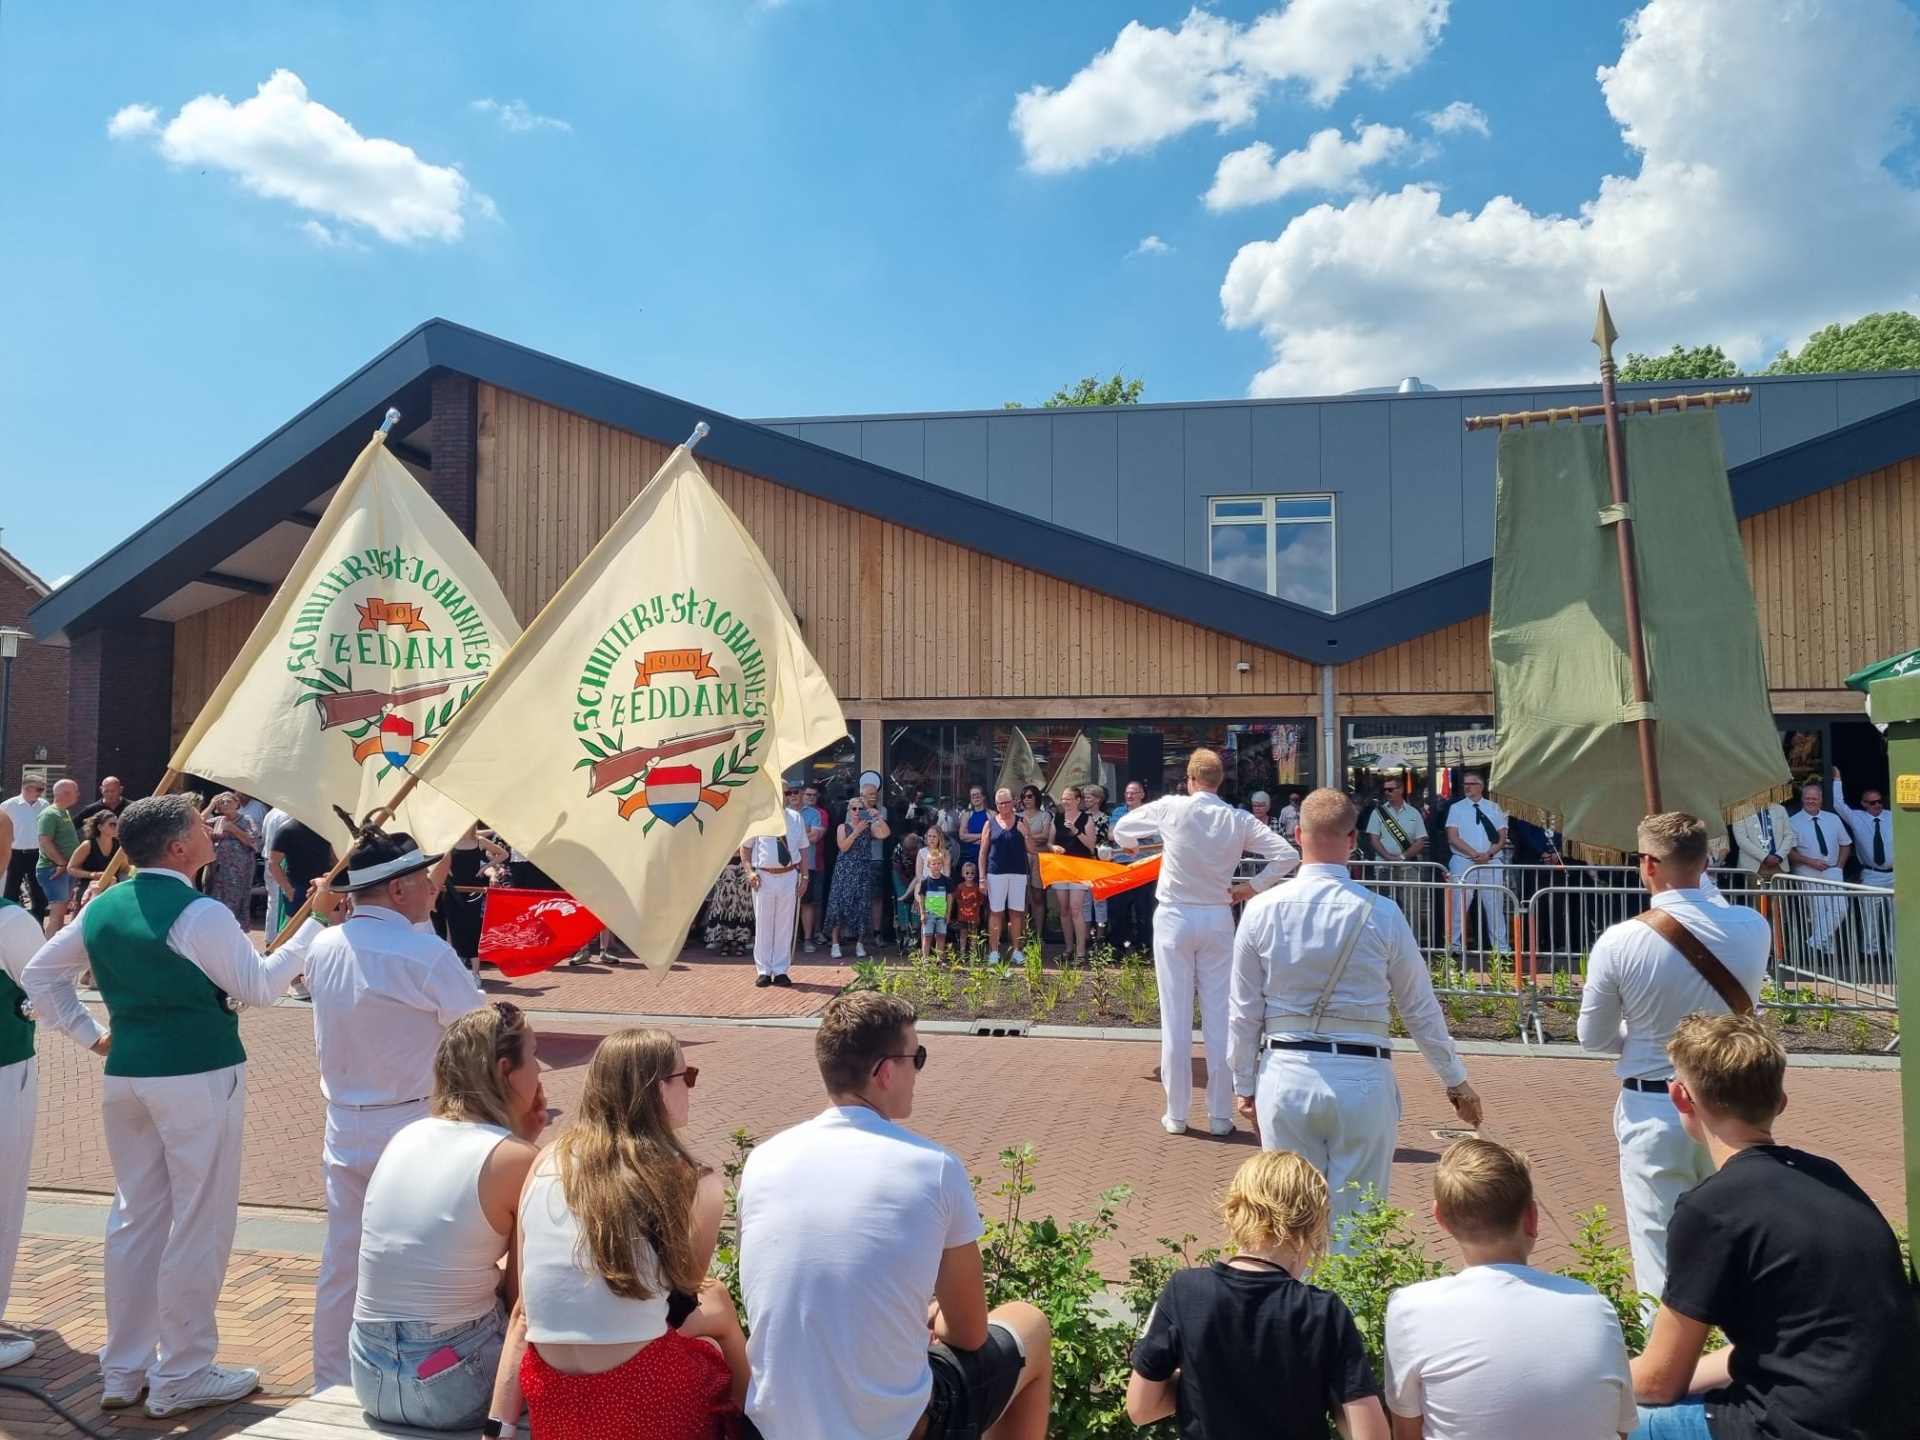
x=918, y=1057
x=691, y=1074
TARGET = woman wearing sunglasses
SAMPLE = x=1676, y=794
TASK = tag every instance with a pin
x=626, y=1337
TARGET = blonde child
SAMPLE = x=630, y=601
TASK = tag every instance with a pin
x=932, y=893
x=1247, y=1347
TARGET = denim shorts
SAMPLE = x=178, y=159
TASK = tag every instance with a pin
x=57, y=886
x=387, y=1357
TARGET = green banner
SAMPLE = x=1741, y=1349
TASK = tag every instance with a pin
x=1567, y=747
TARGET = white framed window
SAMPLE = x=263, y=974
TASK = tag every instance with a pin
x=1282, y=544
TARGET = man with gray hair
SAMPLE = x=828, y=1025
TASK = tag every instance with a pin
x=1644, y=975
x=1316, y=965
x=172, y=965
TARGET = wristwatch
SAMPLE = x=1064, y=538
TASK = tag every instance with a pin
x=499, y=1429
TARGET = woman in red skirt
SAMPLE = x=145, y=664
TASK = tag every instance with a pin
x=627, y=1338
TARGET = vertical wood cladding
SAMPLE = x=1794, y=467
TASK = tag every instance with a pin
x=890, y=613
x=204, y=645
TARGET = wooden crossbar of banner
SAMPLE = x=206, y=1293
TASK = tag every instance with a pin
x=1677, y=403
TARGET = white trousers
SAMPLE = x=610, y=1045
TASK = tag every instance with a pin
x=773, y=909
x=1339, y=1112
x=355, y=1140
x=1876, y=916
x=1659, y=1162
x=1489, y=887
x=19, y=1103
x=175, y=1142
x=1193, y=948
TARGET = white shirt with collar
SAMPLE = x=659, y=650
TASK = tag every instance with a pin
x=20, y=940
x=764, y=851
x=204, y=933
x=383, y=994
x=25, y=815
x=1639, y=987
x=1204, y=838
x=1861, y=823
x=1461, y=819
x=1831, y=829
x=1287, y=945
x=1407, y=816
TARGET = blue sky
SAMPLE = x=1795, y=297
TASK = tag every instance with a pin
x=830, y=206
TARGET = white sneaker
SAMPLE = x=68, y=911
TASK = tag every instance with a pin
x=836, y=950
x=1173, y=1126
x=299, y=991
x=14, y=1349
x=1220, y=1127
x=216, y=1385
x=859, y=950
x=121, y=1392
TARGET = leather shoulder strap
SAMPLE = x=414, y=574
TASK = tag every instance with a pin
x=1716, y=974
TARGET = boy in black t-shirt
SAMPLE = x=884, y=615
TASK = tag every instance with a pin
x=1243, y=1347
x=1784, y=1253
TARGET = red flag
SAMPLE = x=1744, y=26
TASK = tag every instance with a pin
x=527, y=931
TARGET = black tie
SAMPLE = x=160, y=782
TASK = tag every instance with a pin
x=1485, y=823
x=786, y=855
x=1818, y=833
x=1879, y=846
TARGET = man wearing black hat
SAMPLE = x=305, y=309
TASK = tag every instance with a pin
x=385, y=988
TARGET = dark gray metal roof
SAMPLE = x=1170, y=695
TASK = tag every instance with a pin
x=307, y=456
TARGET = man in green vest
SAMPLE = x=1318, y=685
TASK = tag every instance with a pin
x=20, y=937
x=170, y=963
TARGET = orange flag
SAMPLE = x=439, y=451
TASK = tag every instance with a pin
x=1107, y=878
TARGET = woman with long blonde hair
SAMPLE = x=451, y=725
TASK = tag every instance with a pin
x=627, y=1338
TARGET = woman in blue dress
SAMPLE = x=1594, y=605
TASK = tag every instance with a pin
x=850, y=898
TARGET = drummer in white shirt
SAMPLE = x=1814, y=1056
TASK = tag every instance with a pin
x=1204, y=838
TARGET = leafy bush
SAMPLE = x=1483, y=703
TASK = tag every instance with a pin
x=1609, y=1269
x=1381, y=1255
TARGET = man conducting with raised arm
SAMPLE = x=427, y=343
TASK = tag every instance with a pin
x=1204, y=838
x=1645, y=975
x=1315, y=966
x=168, y=960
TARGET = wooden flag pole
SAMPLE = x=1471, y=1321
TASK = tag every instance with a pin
x=375, y=822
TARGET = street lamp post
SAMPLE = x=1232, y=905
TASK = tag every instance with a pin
x=10, y=639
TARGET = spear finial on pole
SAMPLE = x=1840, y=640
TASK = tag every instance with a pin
x=1604, y=334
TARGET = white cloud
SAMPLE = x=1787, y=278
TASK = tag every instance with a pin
x=519, y=117
x=1153, y=245
x=1763, y=208
x=281, y=144
x=1461, y=115
x=1153, y=84
x=132, y=120
x=1329, y=162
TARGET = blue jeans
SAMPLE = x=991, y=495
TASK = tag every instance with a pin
x=1685, y=1421
x=387, y=1356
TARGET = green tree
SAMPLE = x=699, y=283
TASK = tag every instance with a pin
x=1091, y=390
x=1886, y=341
x=1702, y=362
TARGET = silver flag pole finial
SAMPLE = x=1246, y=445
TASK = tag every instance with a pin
x=393, y=419
x=700, y=432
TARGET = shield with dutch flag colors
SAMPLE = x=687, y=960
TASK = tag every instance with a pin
x=673, y=791
x=396, y=740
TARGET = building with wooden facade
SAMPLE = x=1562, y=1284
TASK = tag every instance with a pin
x=1302, y=584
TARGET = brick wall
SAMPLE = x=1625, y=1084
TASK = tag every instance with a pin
x=37, y=714
x=454, y=482
x=119, y=701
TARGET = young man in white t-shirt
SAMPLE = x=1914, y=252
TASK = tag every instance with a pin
x=1465, y=1354
x=860, y=1264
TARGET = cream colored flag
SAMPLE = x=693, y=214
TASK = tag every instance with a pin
x=1075, y=767
x=385, y=627
x=636, y=734
x=1019, y=769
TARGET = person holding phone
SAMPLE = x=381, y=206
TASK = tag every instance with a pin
x=852, y=904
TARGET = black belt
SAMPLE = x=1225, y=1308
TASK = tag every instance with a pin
x=1645, y=1087
x=1869, y=870
x=1330, y=1047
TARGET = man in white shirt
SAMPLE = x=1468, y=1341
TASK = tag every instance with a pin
x=1315, y=965
x=1872, y=830
x=848, y=1223
x=1820, y=851
x=1477, y=838
x=384, y=988
x=1762, y=841
x=1399, y=834
x=1465, y=1359
x=776, y=869
x=1290, y=817
x=20, y=940
x=24, y=853
x=1203, y=839
x=277, y=908
x=173, y=966
x=1640, y=985
x=813, y=893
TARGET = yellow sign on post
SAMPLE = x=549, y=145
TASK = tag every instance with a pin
x=1906, y=792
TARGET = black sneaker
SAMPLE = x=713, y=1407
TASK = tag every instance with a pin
x=763, y=980
x=783, y=980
